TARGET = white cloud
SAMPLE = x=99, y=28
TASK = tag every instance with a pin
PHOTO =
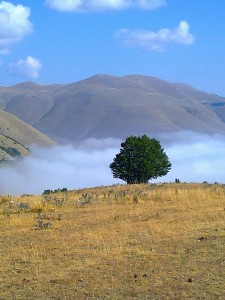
x=194, y=157
x=29, y=67
x=157, y=41
x=61, y=166
x=14, y=24
x=99, y=5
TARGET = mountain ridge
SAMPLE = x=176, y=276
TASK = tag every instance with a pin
x=112, y=106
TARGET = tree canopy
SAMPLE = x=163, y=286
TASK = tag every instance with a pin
x=139, y=160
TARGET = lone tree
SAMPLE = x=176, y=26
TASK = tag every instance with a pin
x=140, y=159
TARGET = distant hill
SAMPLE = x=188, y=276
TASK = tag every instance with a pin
x=108, y=106
x=16, y=136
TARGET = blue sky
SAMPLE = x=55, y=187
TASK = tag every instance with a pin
x=63, y=41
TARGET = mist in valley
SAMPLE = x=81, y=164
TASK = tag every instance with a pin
x=194, y=157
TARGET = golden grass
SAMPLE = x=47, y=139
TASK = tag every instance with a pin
x=120, y=242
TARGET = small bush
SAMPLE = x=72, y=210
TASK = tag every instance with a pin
x=4, y=199
x=40, y=207
x=46, y=192
x=23, y=205
x=135, y=199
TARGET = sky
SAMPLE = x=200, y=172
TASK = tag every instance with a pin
x=64, y=41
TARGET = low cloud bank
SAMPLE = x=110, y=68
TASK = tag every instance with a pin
x=194, y=158
x=58, y=167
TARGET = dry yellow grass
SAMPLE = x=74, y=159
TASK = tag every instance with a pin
x=120, y=242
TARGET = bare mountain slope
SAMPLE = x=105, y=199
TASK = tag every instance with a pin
x=16, y=136
x=108, y=106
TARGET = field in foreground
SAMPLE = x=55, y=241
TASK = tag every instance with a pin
x=120, y=242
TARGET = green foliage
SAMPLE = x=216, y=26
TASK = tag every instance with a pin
x=46, y=192
x=140, y=159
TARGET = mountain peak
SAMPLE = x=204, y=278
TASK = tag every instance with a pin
x=114, y=106
x=25, y=85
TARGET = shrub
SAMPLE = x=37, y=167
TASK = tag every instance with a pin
x=4, y=199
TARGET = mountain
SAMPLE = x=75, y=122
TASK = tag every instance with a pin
x=16, y=136
x=109, y=106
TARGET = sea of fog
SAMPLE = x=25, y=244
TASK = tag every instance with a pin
x=194, y=157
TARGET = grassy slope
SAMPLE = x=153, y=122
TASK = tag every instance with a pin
x=7, y=142
x=120, y=242
x=22, y=132
x=16, y=134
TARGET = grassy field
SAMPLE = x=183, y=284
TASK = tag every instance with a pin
x=119, y=242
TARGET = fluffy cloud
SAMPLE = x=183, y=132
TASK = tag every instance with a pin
x=14, y=24
x=157, y=41
x=29, y=67
x=99, y=5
